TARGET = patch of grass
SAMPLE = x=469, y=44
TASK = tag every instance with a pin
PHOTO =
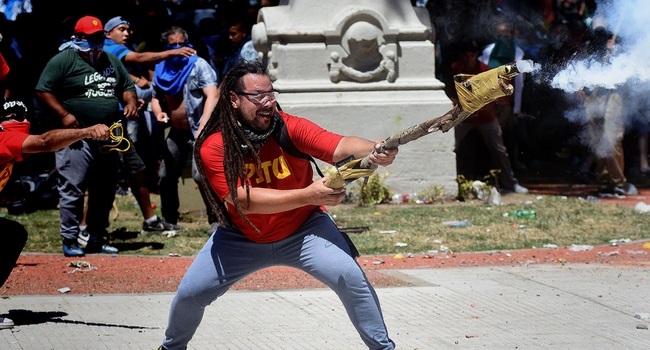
x=560, y=221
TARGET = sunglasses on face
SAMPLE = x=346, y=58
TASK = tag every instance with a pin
x=259, y=98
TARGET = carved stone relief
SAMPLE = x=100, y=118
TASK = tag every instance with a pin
x=365, y=58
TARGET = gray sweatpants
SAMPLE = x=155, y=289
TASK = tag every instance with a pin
x=82, y=167
x=317, y=248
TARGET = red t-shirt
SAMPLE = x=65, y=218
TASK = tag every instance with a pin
x=11, y=146
x=485, y=114
x=279, y=170
x=4, y=67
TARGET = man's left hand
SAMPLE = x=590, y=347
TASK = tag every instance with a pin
x=385, y=158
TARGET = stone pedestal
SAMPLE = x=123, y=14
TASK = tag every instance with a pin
x=364, y=68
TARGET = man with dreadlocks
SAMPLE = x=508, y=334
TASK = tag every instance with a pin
x=270, y=209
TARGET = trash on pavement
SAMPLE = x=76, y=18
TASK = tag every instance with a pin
x=636, y=252
x=80, y=266
x=456, y=223
x=616, y=242
x=642, y=208
x=580, y=247
x=388, y=231
x=64, y=290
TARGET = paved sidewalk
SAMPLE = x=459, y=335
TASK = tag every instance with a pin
x=581, y=306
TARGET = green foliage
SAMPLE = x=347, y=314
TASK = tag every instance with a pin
x=433, y=194
x=471, y=189
x=375, y=191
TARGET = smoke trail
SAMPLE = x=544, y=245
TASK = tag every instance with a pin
x=628, y=21
x=626, y=73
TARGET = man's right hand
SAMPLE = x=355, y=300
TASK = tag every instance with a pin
x=98, y=132
x=319, y=194
x=162, y=118
x=185, y=51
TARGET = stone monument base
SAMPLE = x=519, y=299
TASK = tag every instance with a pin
x=427, y=161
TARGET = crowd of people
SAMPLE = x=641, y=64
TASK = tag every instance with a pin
x=172, y=56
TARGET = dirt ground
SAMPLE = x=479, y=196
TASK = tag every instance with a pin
x=39, y=274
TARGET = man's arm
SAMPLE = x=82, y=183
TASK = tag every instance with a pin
x=212, y=97
x=56, y=139
x=359, y=148
x=156, y=109
x=130, y=104
x=68, y=120
x=155, y=57
x=269, y=201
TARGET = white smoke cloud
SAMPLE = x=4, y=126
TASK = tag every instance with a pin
x=628, y=20
x=627, y=71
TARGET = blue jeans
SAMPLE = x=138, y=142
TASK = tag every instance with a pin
x=318, y=248
x=179, y=146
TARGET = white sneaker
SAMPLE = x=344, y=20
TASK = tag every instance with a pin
x=82, y=239
x=6, y=323
x=517, y=188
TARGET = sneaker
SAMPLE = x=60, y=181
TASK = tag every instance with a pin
x=630, y=189
x=83, y=238
x=213, y=227
x=626, y=189
x=100, y=247
x=517, y=188
x=160, y=227
x=6, y=323
x=72, y=249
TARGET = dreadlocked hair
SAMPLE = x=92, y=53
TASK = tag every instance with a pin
x=236, y=146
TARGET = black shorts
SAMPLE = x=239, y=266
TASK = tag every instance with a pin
x=131, y=161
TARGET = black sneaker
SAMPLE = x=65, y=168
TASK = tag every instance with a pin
x=160, y=227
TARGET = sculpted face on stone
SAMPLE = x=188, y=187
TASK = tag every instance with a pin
x=362, y=42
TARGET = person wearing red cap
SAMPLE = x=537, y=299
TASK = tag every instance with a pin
x=15, y=144
x=84, y=86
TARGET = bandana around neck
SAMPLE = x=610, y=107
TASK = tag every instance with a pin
x=257, y=139
x=171, y=74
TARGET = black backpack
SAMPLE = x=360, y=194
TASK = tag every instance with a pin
x=281, y=136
